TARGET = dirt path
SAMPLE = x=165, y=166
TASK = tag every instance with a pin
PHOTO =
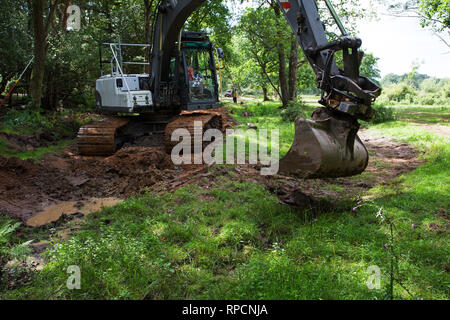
x=437, y=128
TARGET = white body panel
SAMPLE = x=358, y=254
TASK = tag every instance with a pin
x=123, y=92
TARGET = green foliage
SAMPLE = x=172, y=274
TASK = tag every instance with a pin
x=414, y=88
x=63, y=123
x=435, y=13
x=369, y=67
x=35, y=154
x=259, y=32
x=401, y=92
x=383, y=114
x=14, y=40
x=29, y=120
x=293, y=110
x=213, y=16
x=60, y=127
x=7, y=249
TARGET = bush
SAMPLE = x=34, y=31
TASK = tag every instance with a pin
x=400, y=92
x=383, y=114
x=28, y=118
x=7, y=250
x=294, y=109
x=431, y=91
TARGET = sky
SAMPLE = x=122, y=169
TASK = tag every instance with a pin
x=399, y=42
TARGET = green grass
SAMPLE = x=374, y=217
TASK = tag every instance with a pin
x=267, y=115
x=423, y=114
x=234, y=240
x=35, y=154
x=63, y=125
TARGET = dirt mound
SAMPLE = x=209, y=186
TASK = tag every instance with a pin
x=28, y=142
x=227, y=120
x=128, y=171
x=18, y=191
x=27, y=188
x=15, y=165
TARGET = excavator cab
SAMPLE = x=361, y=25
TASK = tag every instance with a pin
x=198, y=78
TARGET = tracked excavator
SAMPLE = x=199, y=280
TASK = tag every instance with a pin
x=174, y=96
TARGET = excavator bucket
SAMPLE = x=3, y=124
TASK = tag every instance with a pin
x=325, y=147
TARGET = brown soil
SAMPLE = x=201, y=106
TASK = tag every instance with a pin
x=387, y=160
x=30, y=142
x=28, y=189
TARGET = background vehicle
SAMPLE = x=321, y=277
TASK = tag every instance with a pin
x=229, y=93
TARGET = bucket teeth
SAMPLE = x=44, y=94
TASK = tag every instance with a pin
x=325, y=148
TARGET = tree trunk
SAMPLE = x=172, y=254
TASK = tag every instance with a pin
x=40, y=29
x=282, y=74
x=148, y=32
x=293, y=68
x=37, y=75
x=264, y=90
x=64, y=15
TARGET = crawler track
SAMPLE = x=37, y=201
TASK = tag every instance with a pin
x=187, y=120
x=100, y=138
x=105, y=137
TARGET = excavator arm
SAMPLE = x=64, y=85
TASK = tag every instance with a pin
x=345, y=90
x=325, y=146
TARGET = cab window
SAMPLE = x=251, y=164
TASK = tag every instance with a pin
x=199, y=74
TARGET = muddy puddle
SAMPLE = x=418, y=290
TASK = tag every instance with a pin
x=55, y=212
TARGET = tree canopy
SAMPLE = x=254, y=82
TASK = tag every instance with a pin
x=261, y=53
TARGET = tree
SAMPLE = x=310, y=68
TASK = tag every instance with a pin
x=42, y=19
x=434, y=14
x=148, y=6
x=369, y=67
x=15, y=40
x=270, y=45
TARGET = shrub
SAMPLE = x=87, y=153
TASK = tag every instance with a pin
x=400, y=92
x=427, y=100
x=8, y=251
x=296, y=108
x=383, y=114
x=29, y=118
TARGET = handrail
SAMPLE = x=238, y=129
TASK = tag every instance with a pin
x=120, y=69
